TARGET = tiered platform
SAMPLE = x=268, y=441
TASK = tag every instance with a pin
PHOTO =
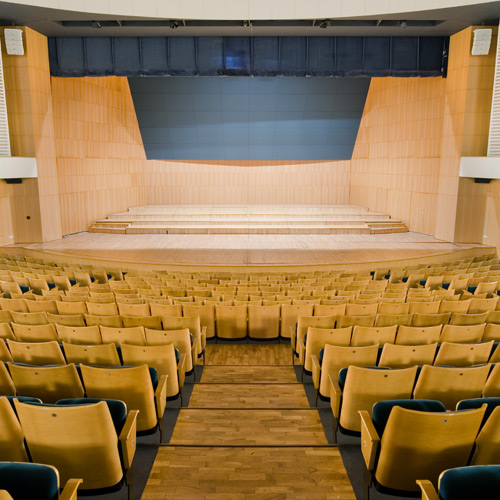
x=248, y=219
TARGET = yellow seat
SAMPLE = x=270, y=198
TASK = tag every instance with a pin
x=111, y=321
x=99, y=354
x=345, y=321
x=290, y=315
x=102, y=309
x=81, y=441
x=6, y=332
x=491, y=332
x=37, y=318
x=193, y=324
x=264, y=321
x=468, y=319
x=417, y=444
x=450, y=385
x=66, y=320
x=400, y=356
x=7, y=387
x=206, y=313
x=18, y=305
x=317, y=338
x=393, y=308
x=83, y=335
x=303, y=323
x=231, y=321
x=133, y=335
x=151, y=322
x=487, y=449
x=424, y=320
x=36, y=353
x=413, y=335
x=134, y=309
x=49, y=383
x=34, y=333
x=133, y=386
x=452, y=306
x=453, y=354
x=363, y=388
x=162, y=358
x=361, y=309
x=71, y=308
x=393, y=319
x=462, y=333
x=424, y=307
x=482, y=305
x=48, y=306
x=369, y=335
x=334, y=359
x=181, y=339
x=329, y=309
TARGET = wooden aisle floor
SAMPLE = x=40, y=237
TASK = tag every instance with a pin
x=248, y=434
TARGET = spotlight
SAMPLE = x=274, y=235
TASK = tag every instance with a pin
x=324, y=24
x=96, y=24
x=174, y=24
x=402, y=24
x=247, y=24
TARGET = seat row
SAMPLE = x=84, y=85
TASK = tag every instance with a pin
x=139, y=387
x=335, y=358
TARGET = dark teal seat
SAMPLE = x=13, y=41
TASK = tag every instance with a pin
x=480, y=482
x=27, y=481
x=470, y=404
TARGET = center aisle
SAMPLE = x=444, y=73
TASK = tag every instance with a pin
x=248, y=433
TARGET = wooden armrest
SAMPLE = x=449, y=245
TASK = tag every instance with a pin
x=195, y=349
x=69, y=491
x=5, y=495
x=203, y=337
x=428, y=490
x=293, y=338
x=335, y=396
x=316, y=371
x=161, y=396
x=181, y=371
x=127, y=438
x=370, y=440
x=301, y=350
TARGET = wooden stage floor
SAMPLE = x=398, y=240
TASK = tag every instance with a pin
x=236, y=251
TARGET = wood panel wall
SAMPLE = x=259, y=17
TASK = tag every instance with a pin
x=413, y=132
x=101, y=162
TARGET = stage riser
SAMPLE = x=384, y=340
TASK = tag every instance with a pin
x=251, y=219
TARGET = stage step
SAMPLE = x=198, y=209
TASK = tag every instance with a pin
x=251, y=219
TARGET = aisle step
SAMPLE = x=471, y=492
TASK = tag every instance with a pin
x=238, y=396
x=248, y=354
x=248, y=375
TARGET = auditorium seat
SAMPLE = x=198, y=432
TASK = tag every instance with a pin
x=401, y=356
x=462, y=333
x=66, y=320
x=369, y=335
x=453, y=354
x=82, y=441
x=316, y=340
x=36, y=353
x=83, y=335
x=181, y=339
x=99, y=354
x=415, y=444
x=413, y=335
x=384, y=320
x=34, y=333
x=132, y=335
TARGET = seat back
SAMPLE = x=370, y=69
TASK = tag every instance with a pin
x=192, y=323
x=160, y=357
x=132, y=385
x=152, y=322
x=36, y=318
x=329, y=309
x=369, y=335
x=450, y=385
x=304, y=322
x=81, y=441
x=419, y=444
x=100, y=354
x=424, y=320
x=134, y=309
x=393, y=308
x=42, y=305
x=133, y=335
x=290, y=315
x=317, y=338
x=231, y=321
x=49, y=383
x=36, y=353
x=181, y=339
x=335, y=358
x=364, y=387
x=34, y=333
x=345, y=321
x=452, y=354
x=83, y=335
x=71, y=308
x=206, y=313
x=413, y=335
x=464, y=483
x=468, y=319
x=462, y=333
x=399, y=356
x=264, y=321
x=451, y=306
x=66, y=319
x=111, y=321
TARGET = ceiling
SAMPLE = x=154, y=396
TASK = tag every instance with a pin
x=439, y=22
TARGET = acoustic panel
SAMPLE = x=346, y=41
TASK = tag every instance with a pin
x=246, y=118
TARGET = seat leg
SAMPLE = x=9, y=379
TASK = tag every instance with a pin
x=335, y=423
x=181, y=392
x=367, y=482
x=129, y=479
x=316, y=396
x=161, y=425
x=302, y=374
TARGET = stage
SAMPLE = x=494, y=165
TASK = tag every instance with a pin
x=255, y=251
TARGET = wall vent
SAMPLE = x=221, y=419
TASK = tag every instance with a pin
x=4, y=124
x=494, y=137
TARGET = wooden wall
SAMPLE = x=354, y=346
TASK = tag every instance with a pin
x=100, y=158
x=242, y=183
x=413, y=132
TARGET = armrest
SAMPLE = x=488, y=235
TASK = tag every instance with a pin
x=335, y=396
x=428, y=490
x=203, y=338
x=293, y=337
x=195, y=349
x=370, y=440
x=316, y=371
x=301, y=350
x=128, y=442
x=69, y=491
x=5, y=495
x=181, y=372
x=161, y=396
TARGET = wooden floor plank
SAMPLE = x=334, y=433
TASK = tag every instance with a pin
x=248, y=428
x=248, y=354
x=248, y=375
x=234, y=396
x=185, y=473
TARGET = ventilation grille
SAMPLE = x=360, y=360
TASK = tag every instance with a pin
x=4, y=124
x=494, y=138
